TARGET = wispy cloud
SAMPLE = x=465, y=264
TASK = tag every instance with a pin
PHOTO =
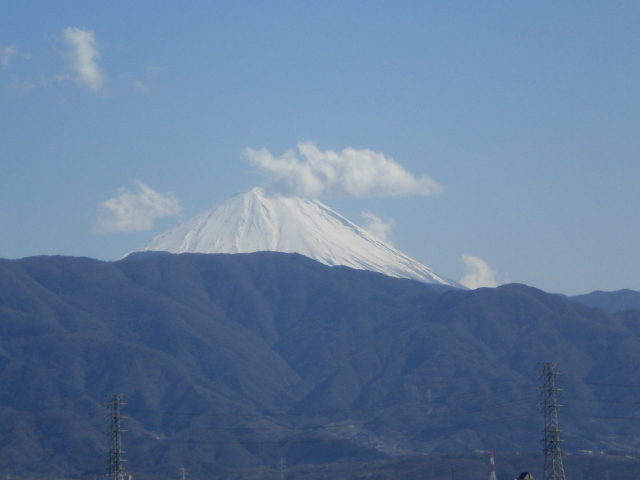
x=133, y=212
x=140, y=87
x=478, y=273
x=378, y=227
x=143, y=87
x=83, y=55
x=5, y=55
x=351, y=172
x=18, y=88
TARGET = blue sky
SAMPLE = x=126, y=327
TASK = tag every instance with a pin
x=527, y=114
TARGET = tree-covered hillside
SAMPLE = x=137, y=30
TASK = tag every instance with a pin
x=230, y=362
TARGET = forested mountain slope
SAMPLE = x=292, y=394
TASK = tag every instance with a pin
x=235, y=360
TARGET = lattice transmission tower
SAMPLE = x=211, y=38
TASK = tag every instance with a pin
x=553, y=469
x=115, y=460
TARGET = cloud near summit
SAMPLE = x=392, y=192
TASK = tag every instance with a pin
x=135, y=211
x=351, y=172
x=478, y=273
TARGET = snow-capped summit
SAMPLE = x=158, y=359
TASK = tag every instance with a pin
x=254, y=221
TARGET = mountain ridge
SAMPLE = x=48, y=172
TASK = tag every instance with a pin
x=611, y=302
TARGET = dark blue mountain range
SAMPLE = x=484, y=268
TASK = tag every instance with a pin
x=229, y=361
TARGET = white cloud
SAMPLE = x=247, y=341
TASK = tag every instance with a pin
x=479, y=273
x=378, y=227
x=140, y=87
x=5, y=55
x=351, y=172
x=133, y=212
x=83, y=55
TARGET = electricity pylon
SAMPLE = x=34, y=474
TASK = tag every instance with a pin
x=115, y=460
x=553, y=469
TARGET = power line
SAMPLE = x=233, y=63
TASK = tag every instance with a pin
x=595, y=400
x=368, y=423
x=596, y=384
x=326, y=426
x=292, y=441
x=472, y=394
x=327, y=440
x=600, y=416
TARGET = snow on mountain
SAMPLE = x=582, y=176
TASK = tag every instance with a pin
x=253, y=221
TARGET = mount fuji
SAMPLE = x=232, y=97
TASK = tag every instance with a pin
x=255, y=221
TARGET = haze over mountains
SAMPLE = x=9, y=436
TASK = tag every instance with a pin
x=228, y=361
x=254, y=221
x=612, y=302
